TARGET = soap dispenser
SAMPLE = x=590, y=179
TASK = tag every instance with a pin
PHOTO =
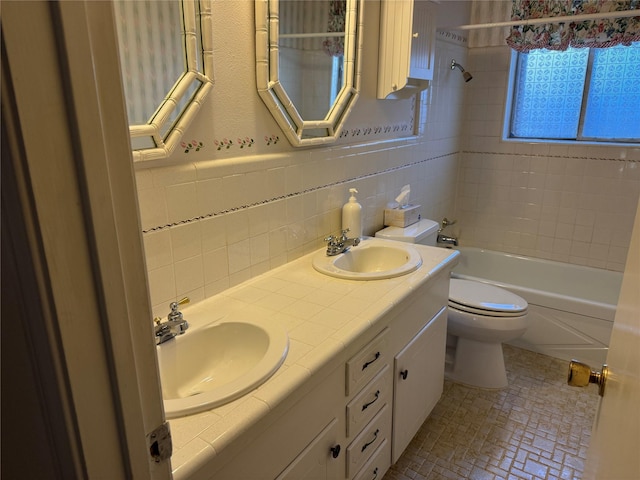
x=352, y=216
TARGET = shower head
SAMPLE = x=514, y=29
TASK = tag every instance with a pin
x=466, y=75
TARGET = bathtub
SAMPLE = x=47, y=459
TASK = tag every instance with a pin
x=571, y=307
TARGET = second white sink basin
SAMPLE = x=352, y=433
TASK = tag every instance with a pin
x=373, y=259
x=218, y=363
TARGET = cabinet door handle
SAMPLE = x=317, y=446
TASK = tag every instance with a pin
x=375, y=437
x=367, y=405
x=375, y=357
x=404, y=374
x=335, y=451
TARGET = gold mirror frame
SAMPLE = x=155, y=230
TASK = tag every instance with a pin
x=198, y=51
x=298, y=131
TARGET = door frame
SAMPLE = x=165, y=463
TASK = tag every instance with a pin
x=77, y=224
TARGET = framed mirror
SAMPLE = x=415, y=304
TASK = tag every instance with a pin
x=308, y=65
x=166, y=56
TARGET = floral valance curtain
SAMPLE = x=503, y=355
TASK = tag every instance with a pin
x=334, y=46
x=586, y=33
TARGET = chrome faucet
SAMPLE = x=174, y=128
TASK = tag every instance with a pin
x=446, y=239
x=338, y=245
x=175, y=324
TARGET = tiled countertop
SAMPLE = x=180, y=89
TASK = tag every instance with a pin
x=322, y=316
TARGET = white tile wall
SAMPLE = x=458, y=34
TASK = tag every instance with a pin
x=203, y=254
x=574, y=204
x=213, y=224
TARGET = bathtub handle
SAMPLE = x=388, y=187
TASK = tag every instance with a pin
x=446, y=222
x=581, y=375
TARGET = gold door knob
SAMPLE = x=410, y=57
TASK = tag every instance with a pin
x=581, y=375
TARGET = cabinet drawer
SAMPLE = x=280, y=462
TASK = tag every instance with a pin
x=364, y=365
x=378, y=464
x=369, y=401
x=362, y=448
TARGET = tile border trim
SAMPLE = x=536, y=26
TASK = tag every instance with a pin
x=547, y=155
x=292, y=195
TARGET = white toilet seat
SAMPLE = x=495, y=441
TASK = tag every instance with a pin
x=484, y=299
x=486, y=313
x=486, y=328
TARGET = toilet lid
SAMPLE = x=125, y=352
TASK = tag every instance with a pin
x=467, y=295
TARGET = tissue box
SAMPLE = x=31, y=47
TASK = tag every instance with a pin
x=401, y=216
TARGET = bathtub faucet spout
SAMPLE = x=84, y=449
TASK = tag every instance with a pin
x=447, y=240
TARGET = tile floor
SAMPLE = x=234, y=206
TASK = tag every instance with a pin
x=536, y=428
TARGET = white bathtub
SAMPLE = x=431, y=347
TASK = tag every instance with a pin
x=571, y=307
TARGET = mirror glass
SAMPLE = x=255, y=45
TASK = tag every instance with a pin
x=166, y=60
x=308, y=66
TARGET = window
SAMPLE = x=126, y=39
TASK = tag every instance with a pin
x=583, y=94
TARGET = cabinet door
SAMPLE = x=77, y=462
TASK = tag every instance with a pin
x=321, y=460
x=418, y=382
x=394, y=48
x=423, y=40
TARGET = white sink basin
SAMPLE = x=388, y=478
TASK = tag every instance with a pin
x=218, y=363
x=373, y=259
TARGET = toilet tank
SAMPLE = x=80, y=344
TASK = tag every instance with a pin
x=424, y=232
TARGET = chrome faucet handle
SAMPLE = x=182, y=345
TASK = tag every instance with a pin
x=332, y=242
x=175, y=314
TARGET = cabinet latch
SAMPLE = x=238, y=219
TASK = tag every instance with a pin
x=159, y=443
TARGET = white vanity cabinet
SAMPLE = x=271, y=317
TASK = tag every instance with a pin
x=353, y=418
x=406, y=47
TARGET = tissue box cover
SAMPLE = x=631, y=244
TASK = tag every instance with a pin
x=401, y=216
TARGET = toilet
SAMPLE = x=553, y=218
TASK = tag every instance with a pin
x=480, y=318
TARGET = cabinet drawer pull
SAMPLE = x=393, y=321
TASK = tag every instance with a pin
x=367, y=405
x=375, y=357
x=375, y=437
x=404, y=374
x=335, y=451
x=375, y=474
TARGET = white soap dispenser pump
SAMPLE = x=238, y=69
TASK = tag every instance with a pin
x=352, y=216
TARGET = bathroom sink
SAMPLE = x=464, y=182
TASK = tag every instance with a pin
x=218, y=363
x=373, y=259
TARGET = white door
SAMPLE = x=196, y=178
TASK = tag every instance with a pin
x=614, y=451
